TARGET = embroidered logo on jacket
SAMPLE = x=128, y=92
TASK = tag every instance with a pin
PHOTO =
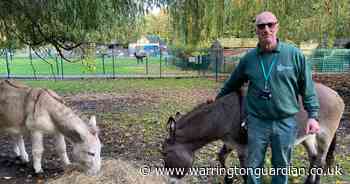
x=282, y=68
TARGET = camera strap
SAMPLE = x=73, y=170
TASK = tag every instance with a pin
x=267, y=75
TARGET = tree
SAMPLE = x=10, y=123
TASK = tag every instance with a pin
x=67, y=24
x=196, y=22
x=157, y=24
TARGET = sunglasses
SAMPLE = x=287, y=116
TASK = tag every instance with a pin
x=270, y=25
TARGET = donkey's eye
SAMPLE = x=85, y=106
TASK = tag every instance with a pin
x=90, y=153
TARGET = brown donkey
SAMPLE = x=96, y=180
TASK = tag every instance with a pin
x=221, y=120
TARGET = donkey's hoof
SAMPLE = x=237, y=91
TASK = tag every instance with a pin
x=25, y=159
x=309, y=180
x=7, y=163
x=228, y=180
x=20, y=161
x=39, y=175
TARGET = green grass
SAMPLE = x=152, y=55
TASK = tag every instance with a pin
x=122, y=65
x=124, y=85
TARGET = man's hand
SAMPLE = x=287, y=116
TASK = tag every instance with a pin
x=312, y=126
x=210, y=100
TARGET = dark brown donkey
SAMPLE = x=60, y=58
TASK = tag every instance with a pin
x=221, y=120
x=139, y=57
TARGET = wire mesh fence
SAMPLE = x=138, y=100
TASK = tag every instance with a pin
x=330, y=60
x=104, y=66
x=215, y=61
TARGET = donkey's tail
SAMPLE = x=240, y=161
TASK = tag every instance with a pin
x=330, y=153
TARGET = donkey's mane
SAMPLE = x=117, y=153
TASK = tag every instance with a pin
x=64, y=116
x=15, y=84
x=50, y=93
x=54, y=95
x=19, y=85
x=200, y=109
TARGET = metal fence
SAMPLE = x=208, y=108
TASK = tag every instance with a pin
x=104, y=66
x=209, y=62
x=322, y=61
x=330, y=60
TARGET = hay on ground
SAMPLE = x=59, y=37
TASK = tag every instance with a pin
x=112, y=172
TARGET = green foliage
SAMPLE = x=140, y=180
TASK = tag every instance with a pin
x=89, y=60
x=157, y=25
x=300, y=20
x=66, y=24
x=185, y=51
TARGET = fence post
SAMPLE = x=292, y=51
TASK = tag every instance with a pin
x=199, y=64
x=31, y=63
x=11, y=55
x=217, y=55
x=323, y=65
x=147, y=66
x=57, y=66
x=103, y=64
x=113, y=63
x=61, y=68
x=7, y=64
x=160, y=63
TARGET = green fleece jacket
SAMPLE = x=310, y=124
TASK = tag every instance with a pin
x=290, y=76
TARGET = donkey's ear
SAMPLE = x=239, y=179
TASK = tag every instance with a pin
x=74, y=135
x=171, y=119
x=177, y=115
x=92, y=125
x=92, y=121
x=171, y=123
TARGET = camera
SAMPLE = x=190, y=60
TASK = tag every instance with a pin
x=265, y=94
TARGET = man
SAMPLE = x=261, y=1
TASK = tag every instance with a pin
x=277, y=73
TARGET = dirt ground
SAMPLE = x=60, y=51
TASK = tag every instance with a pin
x=131, y=144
